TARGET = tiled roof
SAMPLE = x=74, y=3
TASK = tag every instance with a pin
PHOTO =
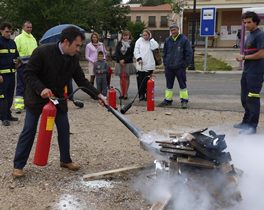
x=162, y=7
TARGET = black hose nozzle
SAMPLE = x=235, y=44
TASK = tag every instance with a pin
x=125, y=108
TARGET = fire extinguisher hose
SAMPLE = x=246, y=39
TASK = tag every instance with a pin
x=136, y=131
x=125, y=108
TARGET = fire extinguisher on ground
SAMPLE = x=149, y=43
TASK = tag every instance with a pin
x=150, y=94
x=112, y=97
x=45, y=133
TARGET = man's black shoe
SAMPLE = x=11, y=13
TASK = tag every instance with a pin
x=248, y=131
x=165, y=102
x=5, y=123
x=13, y=118
x=184, y=105
x=241, y=125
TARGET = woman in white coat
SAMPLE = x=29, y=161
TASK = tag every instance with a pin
x=145, y=64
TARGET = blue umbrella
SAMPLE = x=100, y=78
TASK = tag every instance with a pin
x=53, y=34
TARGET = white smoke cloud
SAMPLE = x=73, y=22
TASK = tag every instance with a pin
x=247, y=154
x=189, y=193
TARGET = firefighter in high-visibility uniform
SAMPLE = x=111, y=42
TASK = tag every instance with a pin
x=8, y=59
x=253, y=74
x=26, y=43
x=177, y=55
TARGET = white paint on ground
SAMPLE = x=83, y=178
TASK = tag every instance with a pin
x=98, y=184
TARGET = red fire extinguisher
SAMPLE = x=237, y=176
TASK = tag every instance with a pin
x=150, y=94
x=45, y=133
x=112, y=97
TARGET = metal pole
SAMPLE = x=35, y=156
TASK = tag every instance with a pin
x=205, y=53
x=192, y=67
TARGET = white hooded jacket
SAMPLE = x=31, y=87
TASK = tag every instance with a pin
x=143, y=49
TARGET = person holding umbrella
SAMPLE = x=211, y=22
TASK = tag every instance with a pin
x=124, y=58
x=48, y=71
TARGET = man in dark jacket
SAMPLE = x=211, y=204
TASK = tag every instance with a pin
x=48, y=71
x=177, y=55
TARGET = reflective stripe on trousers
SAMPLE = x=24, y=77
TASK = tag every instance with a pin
x=19, y=103
x=169, y=94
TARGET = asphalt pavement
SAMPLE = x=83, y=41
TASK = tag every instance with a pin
x=219, y=90
x=212, y=91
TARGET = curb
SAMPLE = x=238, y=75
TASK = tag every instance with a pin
x=159, y=71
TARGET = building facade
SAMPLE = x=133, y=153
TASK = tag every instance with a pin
x=156, y=19
x=228, y=19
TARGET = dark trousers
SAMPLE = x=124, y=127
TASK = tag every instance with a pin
x=101, y=84
x=28, y=133
x=251, y=83
x=180, y=74
x=142, y=79
x=70, y=90
x=7, y=91
x=20, y=81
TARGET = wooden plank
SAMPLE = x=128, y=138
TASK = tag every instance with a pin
x=227, y=168
x=103, y=174
x=175, y=146
x=196, y=162
x=178, y=135
x=161, y=205
x=178, y=151
x=165, y=142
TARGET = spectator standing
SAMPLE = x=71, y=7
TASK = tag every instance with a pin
x=145, y=61
x=124, y=61
x=48, y=71
x=177, y=56
x=253, y=72
x=101, y=72
x=8, y=61
x=91, y=53
x=26, y=43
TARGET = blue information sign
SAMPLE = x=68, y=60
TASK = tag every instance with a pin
x=207, y=24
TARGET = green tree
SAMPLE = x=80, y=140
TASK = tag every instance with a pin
x=153, y=2
x=101, y=14
x=136, y=28
x=177, y=6
x=135, y=2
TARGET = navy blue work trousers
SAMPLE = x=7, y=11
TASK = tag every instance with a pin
x=170, y=75
x=28, y=133
x=251, y=83
x=7, y=91
x=20, y=87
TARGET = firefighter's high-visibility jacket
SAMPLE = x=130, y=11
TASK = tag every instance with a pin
x=26, y=43
x=8, y=52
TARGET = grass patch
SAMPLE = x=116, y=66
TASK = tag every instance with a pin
x=213, y=64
